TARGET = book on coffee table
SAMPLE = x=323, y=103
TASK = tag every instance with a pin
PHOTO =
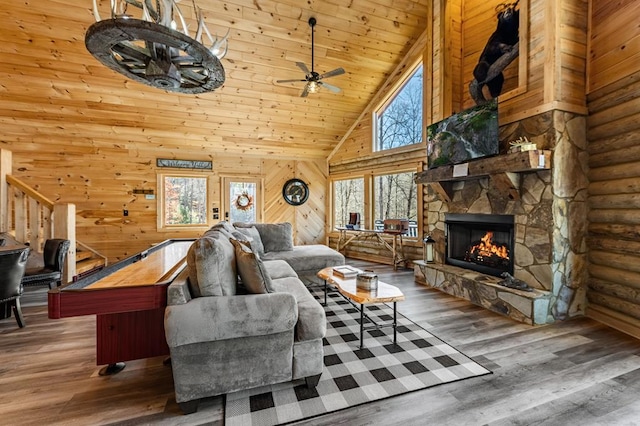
x=345, y=271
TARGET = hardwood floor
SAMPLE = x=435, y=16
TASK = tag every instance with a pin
x=575, y=372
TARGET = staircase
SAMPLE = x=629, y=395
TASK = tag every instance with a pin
x=28, y=217
x=88, y=261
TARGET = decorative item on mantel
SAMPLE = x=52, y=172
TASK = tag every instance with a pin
x=522, y=144
x=428, y=246
x=151, y=50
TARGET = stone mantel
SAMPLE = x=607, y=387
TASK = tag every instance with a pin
x=501, y=169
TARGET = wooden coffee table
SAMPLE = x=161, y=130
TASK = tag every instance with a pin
x=347, y=288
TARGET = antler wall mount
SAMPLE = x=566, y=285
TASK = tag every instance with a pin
x=313, y=79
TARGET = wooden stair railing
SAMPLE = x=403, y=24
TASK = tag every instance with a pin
x=88, y=260
x=32, y=217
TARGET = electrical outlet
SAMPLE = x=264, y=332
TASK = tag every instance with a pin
x=125, y=212
x=216, y=216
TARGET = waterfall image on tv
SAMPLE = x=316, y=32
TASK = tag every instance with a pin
x=469, y=134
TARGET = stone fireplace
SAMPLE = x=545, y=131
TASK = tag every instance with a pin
x=480, y=242
x=548, y=209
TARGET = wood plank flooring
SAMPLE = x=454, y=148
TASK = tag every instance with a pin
x=578, y=372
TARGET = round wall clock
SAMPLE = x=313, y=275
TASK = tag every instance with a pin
x=295, y=192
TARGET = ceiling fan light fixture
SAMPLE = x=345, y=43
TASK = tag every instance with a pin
x=311, y=77
x=157, y=49
x=313, y=87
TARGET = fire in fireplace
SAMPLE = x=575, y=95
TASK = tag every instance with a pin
x=480, y=242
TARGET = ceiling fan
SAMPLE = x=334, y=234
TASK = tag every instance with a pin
x=312, y=78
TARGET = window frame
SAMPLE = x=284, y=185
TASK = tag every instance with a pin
x=374, y=200
x=161, y=201
x=394, y=92
x=364, y=220
x=368, y=176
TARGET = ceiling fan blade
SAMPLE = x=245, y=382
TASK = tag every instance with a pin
x=305, y=92
x=288, y=81
x=303, y=67
x=337, y=71
x=334, y=89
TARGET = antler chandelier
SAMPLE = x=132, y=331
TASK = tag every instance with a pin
x=151, y=49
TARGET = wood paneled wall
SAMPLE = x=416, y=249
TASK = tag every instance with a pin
x=308, y=219
x=615, y=40
x=614, y=148
x=100, y=180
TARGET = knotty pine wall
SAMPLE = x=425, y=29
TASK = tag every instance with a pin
x=99, y=178
x=549, y=74
x=614, y=149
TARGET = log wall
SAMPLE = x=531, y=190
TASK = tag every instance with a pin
x=614, y=149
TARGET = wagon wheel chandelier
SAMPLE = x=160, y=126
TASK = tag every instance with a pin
x=151, y=50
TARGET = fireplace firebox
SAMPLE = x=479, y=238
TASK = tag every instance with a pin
x=481, y=242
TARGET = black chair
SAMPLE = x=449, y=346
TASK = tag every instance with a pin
x=12, y=266
x=54, y=255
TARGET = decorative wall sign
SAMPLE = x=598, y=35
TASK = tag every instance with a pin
x=184, y=164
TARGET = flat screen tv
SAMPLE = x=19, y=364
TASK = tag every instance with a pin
x=467, y=135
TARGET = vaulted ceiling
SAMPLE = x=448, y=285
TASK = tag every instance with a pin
x=51, y=85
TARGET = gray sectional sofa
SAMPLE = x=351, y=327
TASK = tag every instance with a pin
x=240, y=317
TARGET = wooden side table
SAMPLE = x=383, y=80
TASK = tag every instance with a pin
x=396, y=248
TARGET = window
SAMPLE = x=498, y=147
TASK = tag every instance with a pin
x=184, y=200
x=348, y=197
x=395, y=197
x=399, y=121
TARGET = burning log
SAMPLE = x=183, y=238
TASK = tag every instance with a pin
x=485, y=252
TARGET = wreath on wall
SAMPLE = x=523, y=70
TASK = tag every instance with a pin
x=244, y=201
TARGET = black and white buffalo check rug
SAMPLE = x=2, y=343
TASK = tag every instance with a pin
x=354, y=376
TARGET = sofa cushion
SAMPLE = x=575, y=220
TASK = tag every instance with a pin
x=274, y=236
x=253, y=236
x=279, y=269
x=251, y=270
x=311, y=258
x=312, y=322
x=212, y=266
x=228, y=317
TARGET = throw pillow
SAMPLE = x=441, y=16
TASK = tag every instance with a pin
x=274, y=236
x=212, y=267
x=251, y=270
x=253, y=236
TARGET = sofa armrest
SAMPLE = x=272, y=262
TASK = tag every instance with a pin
x=178, y=292
x=206, y=319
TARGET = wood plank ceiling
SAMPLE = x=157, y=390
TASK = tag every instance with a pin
x=50, y=85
